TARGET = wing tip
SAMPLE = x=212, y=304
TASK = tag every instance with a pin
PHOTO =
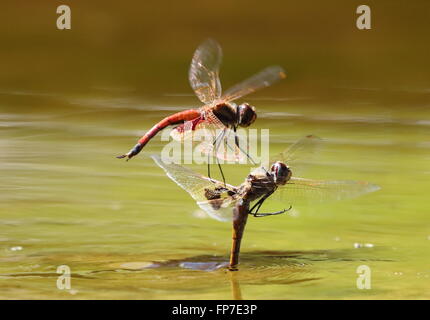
x=312, y=137
x=279, y=70
x=282, y=74
x=373, y=187
x=209, y=42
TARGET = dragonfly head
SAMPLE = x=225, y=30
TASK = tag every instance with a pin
x=280, y=172
x=246, y=115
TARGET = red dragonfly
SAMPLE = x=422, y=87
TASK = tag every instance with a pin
x=219, y=113
x=225, y=202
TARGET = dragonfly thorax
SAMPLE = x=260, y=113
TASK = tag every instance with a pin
x=226, y=112
x=230, y=114
x=280, y=172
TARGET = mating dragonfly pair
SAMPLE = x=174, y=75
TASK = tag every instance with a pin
x=277, y=181
x=220, y=117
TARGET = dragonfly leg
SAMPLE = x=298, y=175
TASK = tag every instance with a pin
x=217, y=143
x=236, y=142
x=209, y=157
x=209, y=168
x=222, y=173
x=259, y=215
x=236, y=138
x=260, y=203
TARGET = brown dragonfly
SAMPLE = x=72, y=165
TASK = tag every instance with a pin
x=225, y=202
x=219, y=113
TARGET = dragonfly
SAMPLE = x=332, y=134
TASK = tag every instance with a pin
x=225, y=202
x=219, y=116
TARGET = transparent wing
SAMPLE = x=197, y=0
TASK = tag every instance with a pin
x=308, y=191
x=221, y=144
x=189, y=130
x=263, y=79
x=300, y=154
x=204, y=71
x=184, y=131
x=217, y=199
x=212, y=138
x=221, y=210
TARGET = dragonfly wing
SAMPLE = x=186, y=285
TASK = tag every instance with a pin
x=204, y=71
x=221, y=210
x=184, y=131
x=221, y=144
x=233, y=147
x=212, y=137
x=308, y=191
x=202, y=189
x=300, y=154
x=263, y=79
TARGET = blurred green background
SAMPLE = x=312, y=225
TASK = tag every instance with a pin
x=70, y=100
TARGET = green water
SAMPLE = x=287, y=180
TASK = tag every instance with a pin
x=125, y=229
x=70, y=101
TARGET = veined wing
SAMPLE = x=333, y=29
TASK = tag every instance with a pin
x=204, y=71
x=217, y=199
x=263, y=79
x=212, y=138
x=219, y=209
x=189, y=129
x=186, y=130
x=221, y=144
x=308, y=191
x=300, y=154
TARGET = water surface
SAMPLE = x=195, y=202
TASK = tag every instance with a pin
x=126, y=231
x=72, y=100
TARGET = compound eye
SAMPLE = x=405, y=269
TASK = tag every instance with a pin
x=274, y=168
x=280, y=172
x=247, y=115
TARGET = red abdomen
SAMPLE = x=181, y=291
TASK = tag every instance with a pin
x=176, y=118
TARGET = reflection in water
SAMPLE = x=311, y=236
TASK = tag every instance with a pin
x=203, y=266
x=67, y=106
x=272, y=267
x=235, y=286
x=258, y=267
